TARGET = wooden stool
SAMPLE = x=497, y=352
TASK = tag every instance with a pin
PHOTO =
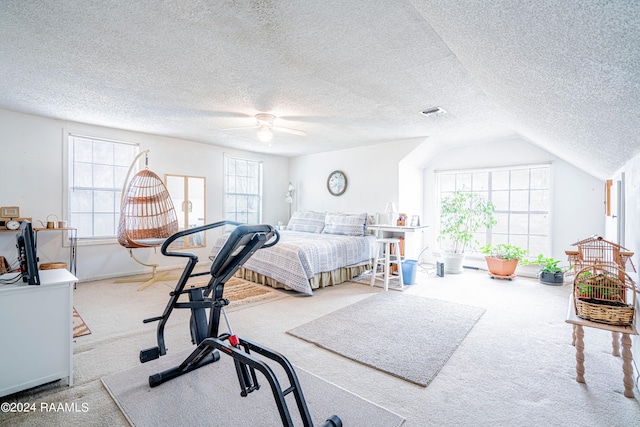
x=387, y=245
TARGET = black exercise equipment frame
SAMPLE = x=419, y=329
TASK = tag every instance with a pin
x=241, y=244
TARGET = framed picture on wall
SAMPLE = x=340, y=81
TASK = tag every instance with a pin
x=415, y=221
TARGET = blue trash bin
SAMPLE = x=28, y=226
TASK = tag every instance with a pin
x=409, y=270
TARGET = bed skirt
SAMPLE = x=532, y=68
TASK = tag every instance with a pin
x=320, y=280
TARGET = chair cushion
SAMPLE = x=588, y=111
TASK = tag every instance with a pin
x=150, y=242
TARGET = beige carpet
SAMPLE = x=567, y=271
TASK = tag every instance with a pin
x=365, y=279
x=415, y=354
x=210, y=396
x=515, y=367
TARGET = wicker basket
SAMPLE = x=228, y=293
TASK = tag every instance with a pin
x=618, y=315
x=604, y=294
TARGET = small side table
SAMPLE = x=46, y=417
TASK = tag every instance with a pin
x=578, y=341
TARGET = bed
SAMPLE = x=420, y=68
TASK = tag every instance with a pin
x=315, y=250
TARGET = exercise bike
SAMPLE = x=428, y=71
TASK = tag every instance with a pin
x=242, y=243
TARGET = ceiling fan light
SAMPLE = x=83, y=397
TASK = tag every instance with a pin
x=265, y=120
x=264, y=134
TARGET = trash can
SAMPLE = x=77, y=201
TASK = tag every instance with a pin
x=409, y=270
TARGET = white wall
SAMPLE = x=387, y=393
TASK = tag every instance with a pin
x=32, y=160
x=373, y=174
x=577, y=197
x=403, y=172
x=377, y=174
x=632, y=234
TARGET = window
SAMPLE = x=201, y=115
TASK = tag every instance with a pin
x=242, y=190
x=189, y=198
x=522, y=199
x=97, y=170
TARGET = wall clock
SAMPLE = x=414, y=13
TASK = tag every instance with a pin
x=337, y=183
x=13, y=224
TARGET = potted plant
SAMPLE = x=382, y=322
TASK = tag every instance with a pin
x=461, y=215
x=550, y=273
x=502, y=259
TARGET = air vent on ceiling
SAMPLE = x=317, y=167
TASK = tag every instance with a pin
x=433, y=111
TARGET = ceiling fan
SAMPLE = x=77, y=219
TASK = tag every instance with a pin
x=264, y=123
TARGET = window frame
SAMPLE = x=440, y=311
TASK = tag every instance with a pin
x=225, y=188
x=490, y=234
x=187, y=242
x=68, y=136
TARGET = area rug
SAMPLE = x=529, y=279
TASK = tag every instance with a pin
x=79, y=327
x=407, y=336
x=210, y=396
x=240, y=291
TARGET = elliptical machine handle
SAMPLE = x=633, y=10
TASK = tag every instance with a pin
x=277, y=239
x=189, y=231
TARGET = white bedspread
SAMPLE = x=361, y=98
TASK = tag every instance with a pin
x=299, y=256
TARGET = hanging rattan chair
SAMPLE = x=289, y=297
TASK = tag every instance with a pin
x=147, y=218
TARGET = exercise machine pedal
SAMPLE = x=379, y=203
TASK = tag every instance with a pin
x=149, y=354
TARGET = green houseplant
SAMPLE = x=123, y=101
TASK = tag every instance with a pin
x=502, y=259
x=461, y=215
x=550, y=271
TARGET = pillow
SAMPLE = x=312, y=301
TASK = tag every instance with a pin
x=311, y=222
x=346, y=224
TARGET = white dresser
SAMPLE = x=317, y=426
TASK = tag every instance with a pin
x=36, y=331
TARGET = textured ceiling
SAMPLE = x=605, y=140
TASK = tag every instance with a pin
x=562, y=75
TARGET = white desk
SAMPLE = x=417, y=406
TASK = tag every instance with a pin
x=36, y=326
x=412, y=237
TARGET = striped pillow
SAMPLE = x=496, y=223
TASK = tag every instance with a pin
x=345, y=224
x=311, y=222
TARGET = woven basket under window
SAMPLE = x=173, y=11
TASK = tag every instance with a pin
x=604, y=294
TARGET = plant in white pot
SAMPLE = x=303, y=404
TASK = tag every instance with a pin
x=461, y=215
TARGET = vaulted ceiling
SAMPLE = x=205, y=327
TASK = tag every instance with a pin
x=560, y=74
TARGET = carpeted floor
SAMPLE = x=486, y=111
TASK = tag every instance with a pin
x=515, y=367
x=415, y=353
x=213, y=394
x=365, y=279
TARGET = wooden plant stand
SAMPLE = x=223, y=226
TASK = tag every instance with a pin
x=578, y=341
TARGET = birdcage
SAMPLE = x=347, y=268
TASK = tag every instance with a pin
x=596, y=250
x=604, y=293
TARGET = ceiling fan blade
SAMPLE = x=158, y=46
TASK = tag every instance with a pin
x=289, y=130
x=242, y=127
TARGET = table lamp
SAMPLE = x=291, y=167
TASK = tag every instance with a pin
x=390, y=210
